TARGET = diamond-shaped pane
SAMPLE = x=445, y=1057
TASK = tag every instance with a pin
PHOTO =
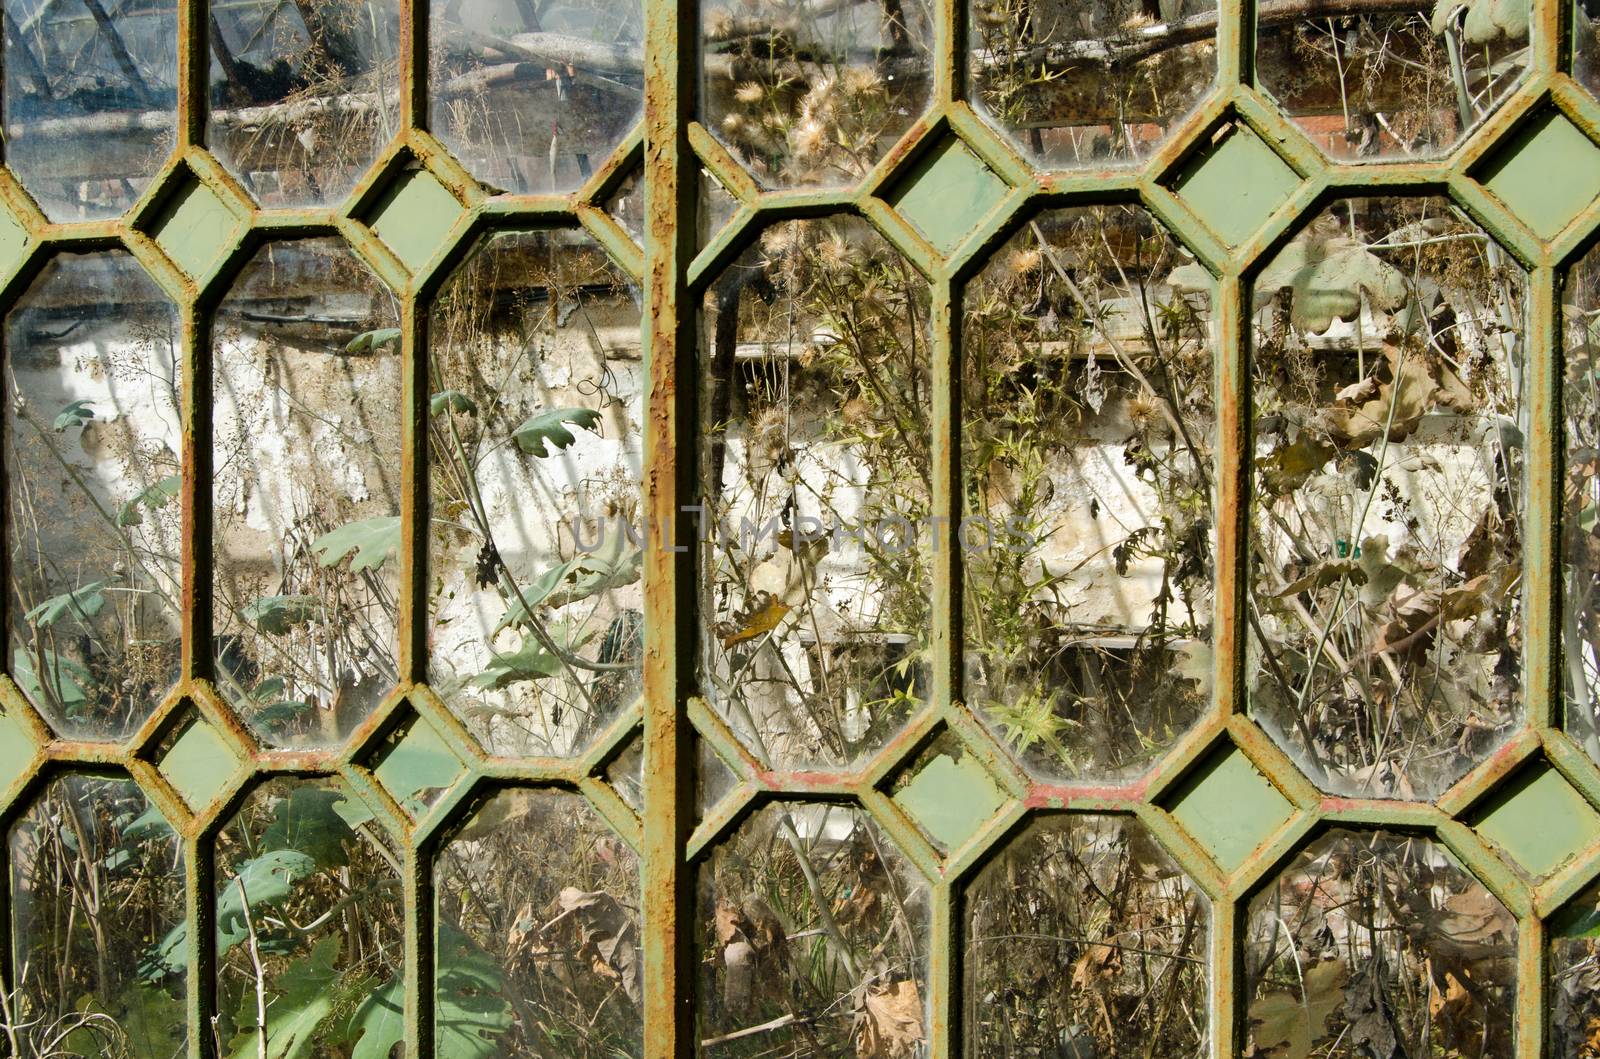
x=947, y=193
x=1546, y=173
x=13, y=240
x=1539, y=820
x=416, y=766
x=194, y=227
x=1235, y=183
x=949, y=792
x=413, y=216
x=16, y=750
x=199, y=763
x=1229, y=806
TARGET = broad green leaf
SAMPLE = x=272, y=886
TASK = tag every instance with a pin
x=276, y=615
x=372, y=541
x=372, y=341
x=471, y=1010
x=157, y=496
x=312, y=821
x=75, y=414
x=529, y=662
x=619, y=565
x=268, y=880
x=307, y=994
x=68, y=681
x=546, y=433
x=452, y=401
x=82, y=603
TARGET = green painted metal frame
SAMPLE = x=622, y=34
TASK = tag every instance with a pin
x=671, y=149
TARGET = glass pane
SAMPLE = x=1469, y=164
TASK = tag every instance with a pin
x=812, y=932
x=816, y=389
x=539, y=949
x=1379, y=943
x=303, y=96
x=90, y=91
x=1392, y=84
x=306, y=494
x=813, y=95
x=95, y=432
x=1580, y=402
x=1385, y=539
x=96, y=897
x=1575, y=977
x=1098, y=83
x=1084, y=938
x=309, y=925
x=1087, y=455
x=537, y=543
x=533, y=97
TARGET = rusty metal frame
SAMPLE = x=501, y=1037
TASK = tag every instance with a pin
x=671, y=148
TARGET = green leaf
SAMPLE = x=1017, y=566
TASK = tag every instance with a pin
x=276, y=615
x=372, y=540
x=452, y=401
x=68, y=681
x=307, y=997
x=546, y=433
x=529, y=662
x=268, y=880
x=157, y=496
x=317, y=822
x=83, y=602
x=372, y=341
x=620, y=564
x=75, y=414
x=471, y=1010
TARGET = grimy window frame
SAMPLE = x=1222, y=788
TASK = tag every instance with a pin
x=672, y=148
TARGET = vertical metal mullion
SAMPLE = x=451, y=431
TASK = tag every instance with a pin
x=194, y=72
x=1541, y=631
x=200, y=911
x=944, y=955
x=670, y=447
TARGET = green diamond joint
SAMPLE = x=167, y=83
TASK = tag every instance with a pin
x=1547, y=173
x=1539, y=820
x=951, y=798
x=948, y=193
x=1230, y=808
x=413, y=216
x=1235, y=183
x=416, y=765
x=194, y=227
x=13, y=240
x=198, y=764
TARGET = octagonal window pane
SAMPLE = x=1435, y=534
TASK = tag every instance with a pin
x=1392, y=84
x=89, y=99
x=1084, y=938
x=811, y=920
x=306, y=427
x=815, y=468
x=96, y=899
x=1370, y=941
x=1089, y=84
x=310, y=928
x=1385, y=536
x=1087, y=452
x=95, y=431
x=537, y=536
x=822, y=107
x=303, y=96
x=538, y=946
x=533, y=97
